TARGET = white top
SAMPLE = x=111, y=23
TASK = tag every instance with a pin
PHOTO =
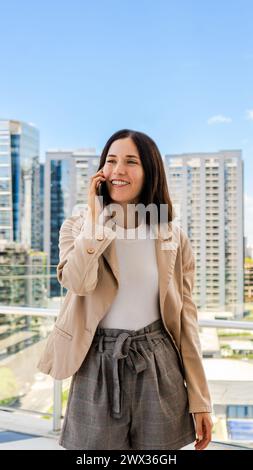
x=137, y=301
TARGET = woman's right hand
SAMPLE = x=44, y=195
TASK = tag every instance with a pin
x=93, y=201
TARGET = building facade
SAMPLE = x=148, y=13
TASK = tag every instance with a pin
x=19, y=183
x=66, y=181
x=207, y=194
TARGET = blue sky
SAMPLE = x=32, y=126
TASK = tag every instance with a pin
x=181, y=71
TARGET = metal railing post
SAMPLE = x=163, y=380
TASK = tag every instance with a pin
x=57, y=405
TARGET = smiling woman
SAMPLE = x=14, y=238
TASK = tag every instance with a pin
x=124, y=172
x=134, y=158
x=128, y=329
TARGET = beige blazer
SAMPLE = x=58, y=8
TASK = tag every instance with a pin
x=88, y=268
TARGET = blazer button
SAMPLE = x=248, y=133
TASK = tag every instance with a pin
x=90, y=250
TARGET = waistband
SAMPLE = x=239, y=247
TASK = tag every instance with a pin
x=154, y=326
x=123, y=348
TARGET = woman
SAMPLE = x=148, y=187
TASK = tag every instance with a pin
x=127, y=330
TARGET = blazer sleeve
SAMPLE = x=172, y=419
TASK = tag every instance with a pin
x=197, y=387
x=80, y=246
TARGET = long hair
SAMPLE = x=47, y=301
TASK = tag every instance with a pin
x=155, y=188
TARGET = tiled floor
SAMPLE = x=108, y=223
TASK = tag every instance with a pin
x=8, y=436
x=25, y=431
x=15, y=441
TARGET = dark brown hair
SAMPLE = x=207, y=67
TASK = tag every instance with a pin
x=155, y=188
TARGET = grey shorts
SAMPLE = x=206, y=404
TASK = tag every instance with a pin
x=129, y=393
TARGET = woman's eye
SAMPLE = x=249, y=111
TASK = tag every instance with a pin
x=113, y=161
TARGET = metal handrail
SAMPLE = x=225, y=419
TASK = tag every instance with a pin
x=53, y=312
x=229, y=324
x=29, y=311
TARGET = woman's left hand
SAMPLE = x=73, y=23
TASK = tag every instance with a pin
x=203, y=428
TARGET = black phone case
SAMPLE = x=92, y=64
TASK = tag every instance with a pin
x=101, y=189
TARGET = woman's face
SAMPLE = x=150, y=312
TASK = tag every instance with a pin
x=123, y=163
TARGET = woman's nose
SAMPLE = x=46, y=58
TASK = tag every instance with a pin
x=119, y=168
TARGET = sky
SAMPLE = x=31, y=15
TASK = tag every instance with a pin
x=179, y=70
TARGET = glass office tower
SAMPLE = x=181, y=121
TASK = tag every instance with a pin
x=19, y=183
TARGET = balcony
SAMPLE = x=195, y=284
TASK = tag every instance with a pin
x=32, y=405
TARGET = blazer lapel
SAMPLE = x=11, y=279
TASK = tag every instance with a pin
x=166, y=253
x=111, y=257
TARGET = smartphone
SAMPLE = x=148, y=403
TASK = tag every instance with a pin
x=102, y=188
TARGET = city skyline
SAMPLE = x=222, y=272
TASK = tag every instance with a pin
x=179, y=71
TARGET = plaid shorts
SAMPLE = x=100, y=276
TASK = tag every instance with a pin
x=129, y=393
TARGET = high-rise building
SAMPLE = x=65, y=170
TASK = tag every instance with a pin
x=23, y=275
x=248, y=280
x=13, y=269
x=207, y=193
x=19, y=183
x=66, y=181
x=41, y=206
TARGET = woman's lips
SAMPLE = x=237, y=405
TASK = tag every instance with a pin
x=119, y=185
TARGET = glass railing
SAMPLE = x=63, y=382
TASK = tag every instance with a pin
x=227, y=347
x=30, y=298
x=22, y=337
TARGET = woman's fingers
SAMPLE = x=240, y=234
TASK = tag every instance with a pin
x=93, y=203
x=99, y=173
x=204, y=433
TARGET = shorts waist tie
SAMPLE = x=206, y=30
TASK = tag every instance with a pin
x=134, y=359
